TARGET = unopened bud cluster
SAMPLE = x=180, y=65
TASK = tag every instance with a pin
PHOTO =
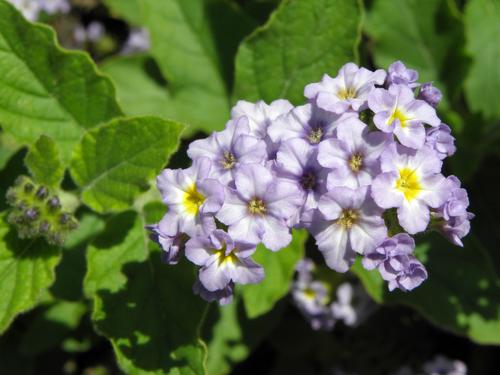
x=37, y=212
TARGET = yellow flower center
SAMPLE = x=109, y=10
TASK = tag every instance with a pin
x=347, y=93
x=224, y=258
x=315, y=136
x=192, y=200
x=399, y=115
x=228, y=160
x=257, y=206
x=356, y=162
x=309, y=293
x=348, y=218
x=408, y=183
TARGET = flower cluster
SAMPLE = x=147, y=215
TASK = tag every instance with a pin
x=359, y=166
x=313, y=298
x=440, y=365
x=31, y=9
x=38, y=212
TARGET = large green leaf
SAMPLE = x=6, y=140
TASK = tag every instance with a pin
x=26, y=270
x=421, y=33
x=279, y=268
x=46, y=90
x=44, y=163
x=193, y=42
x=302, y=40
x=482, y=29
x=145, y=308
x=138, y=90
x=460, y=295
x=114, y=162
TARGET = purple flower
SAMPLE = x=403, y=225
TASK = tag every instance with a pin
x=55, y=6
x=307, y=122
x=304, y=270
x=259, y=207
x=29, y=8
x=411, y=181
x=441, y=141
x=452, y=219
x=348, y=221
x=137, y=41
x=260, y=114
x=223, y=296
x=397, y=111
x=223, y=260
x=353, y=155
x=348, y=91
x=352, y=305
x=312, y=297
x=395, y=261
x=297, y=162
x=444, y=366
x=171, y=244
x=229, y=149
x=192, y=198
x=430, y=94
x=398, y=73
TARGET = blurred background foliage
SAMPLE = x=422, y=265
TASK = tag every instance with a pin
x=203, y=56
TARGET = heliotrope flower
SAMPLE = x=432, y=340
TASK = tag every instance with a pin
x=452, y=219
x=307, y=122
x=441, y=140
x=260, y=115
x=259, y=207
x=223, y=260
x=312, y=297
x=192, y=198
x=137, y=41
x=412, y=182
x=395, y=261
x=397, y=111
x=348, y=222
x=222, y=296
x=430, y=94
x=398, y=73
x=297, y=162
x=352, y=304
x=29, y=8
x=55, y=6
x=349, y=90
x=353, y=155
x=228, y=149
x=172, y=244
x=441, y=365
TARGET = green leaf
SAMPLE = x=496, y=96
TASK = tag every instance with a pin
x=301, y=41
x=44, y=163
x=26, y=270
x=482, y=33
x=51, y=325
x=8, y=147
x=46, y=90
x=193, y=43
x=422, y=34
x=114, y=162
x=279, y=268
x=145, y=308
x=460, y=295
x=127, y=9
x=138, y=92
